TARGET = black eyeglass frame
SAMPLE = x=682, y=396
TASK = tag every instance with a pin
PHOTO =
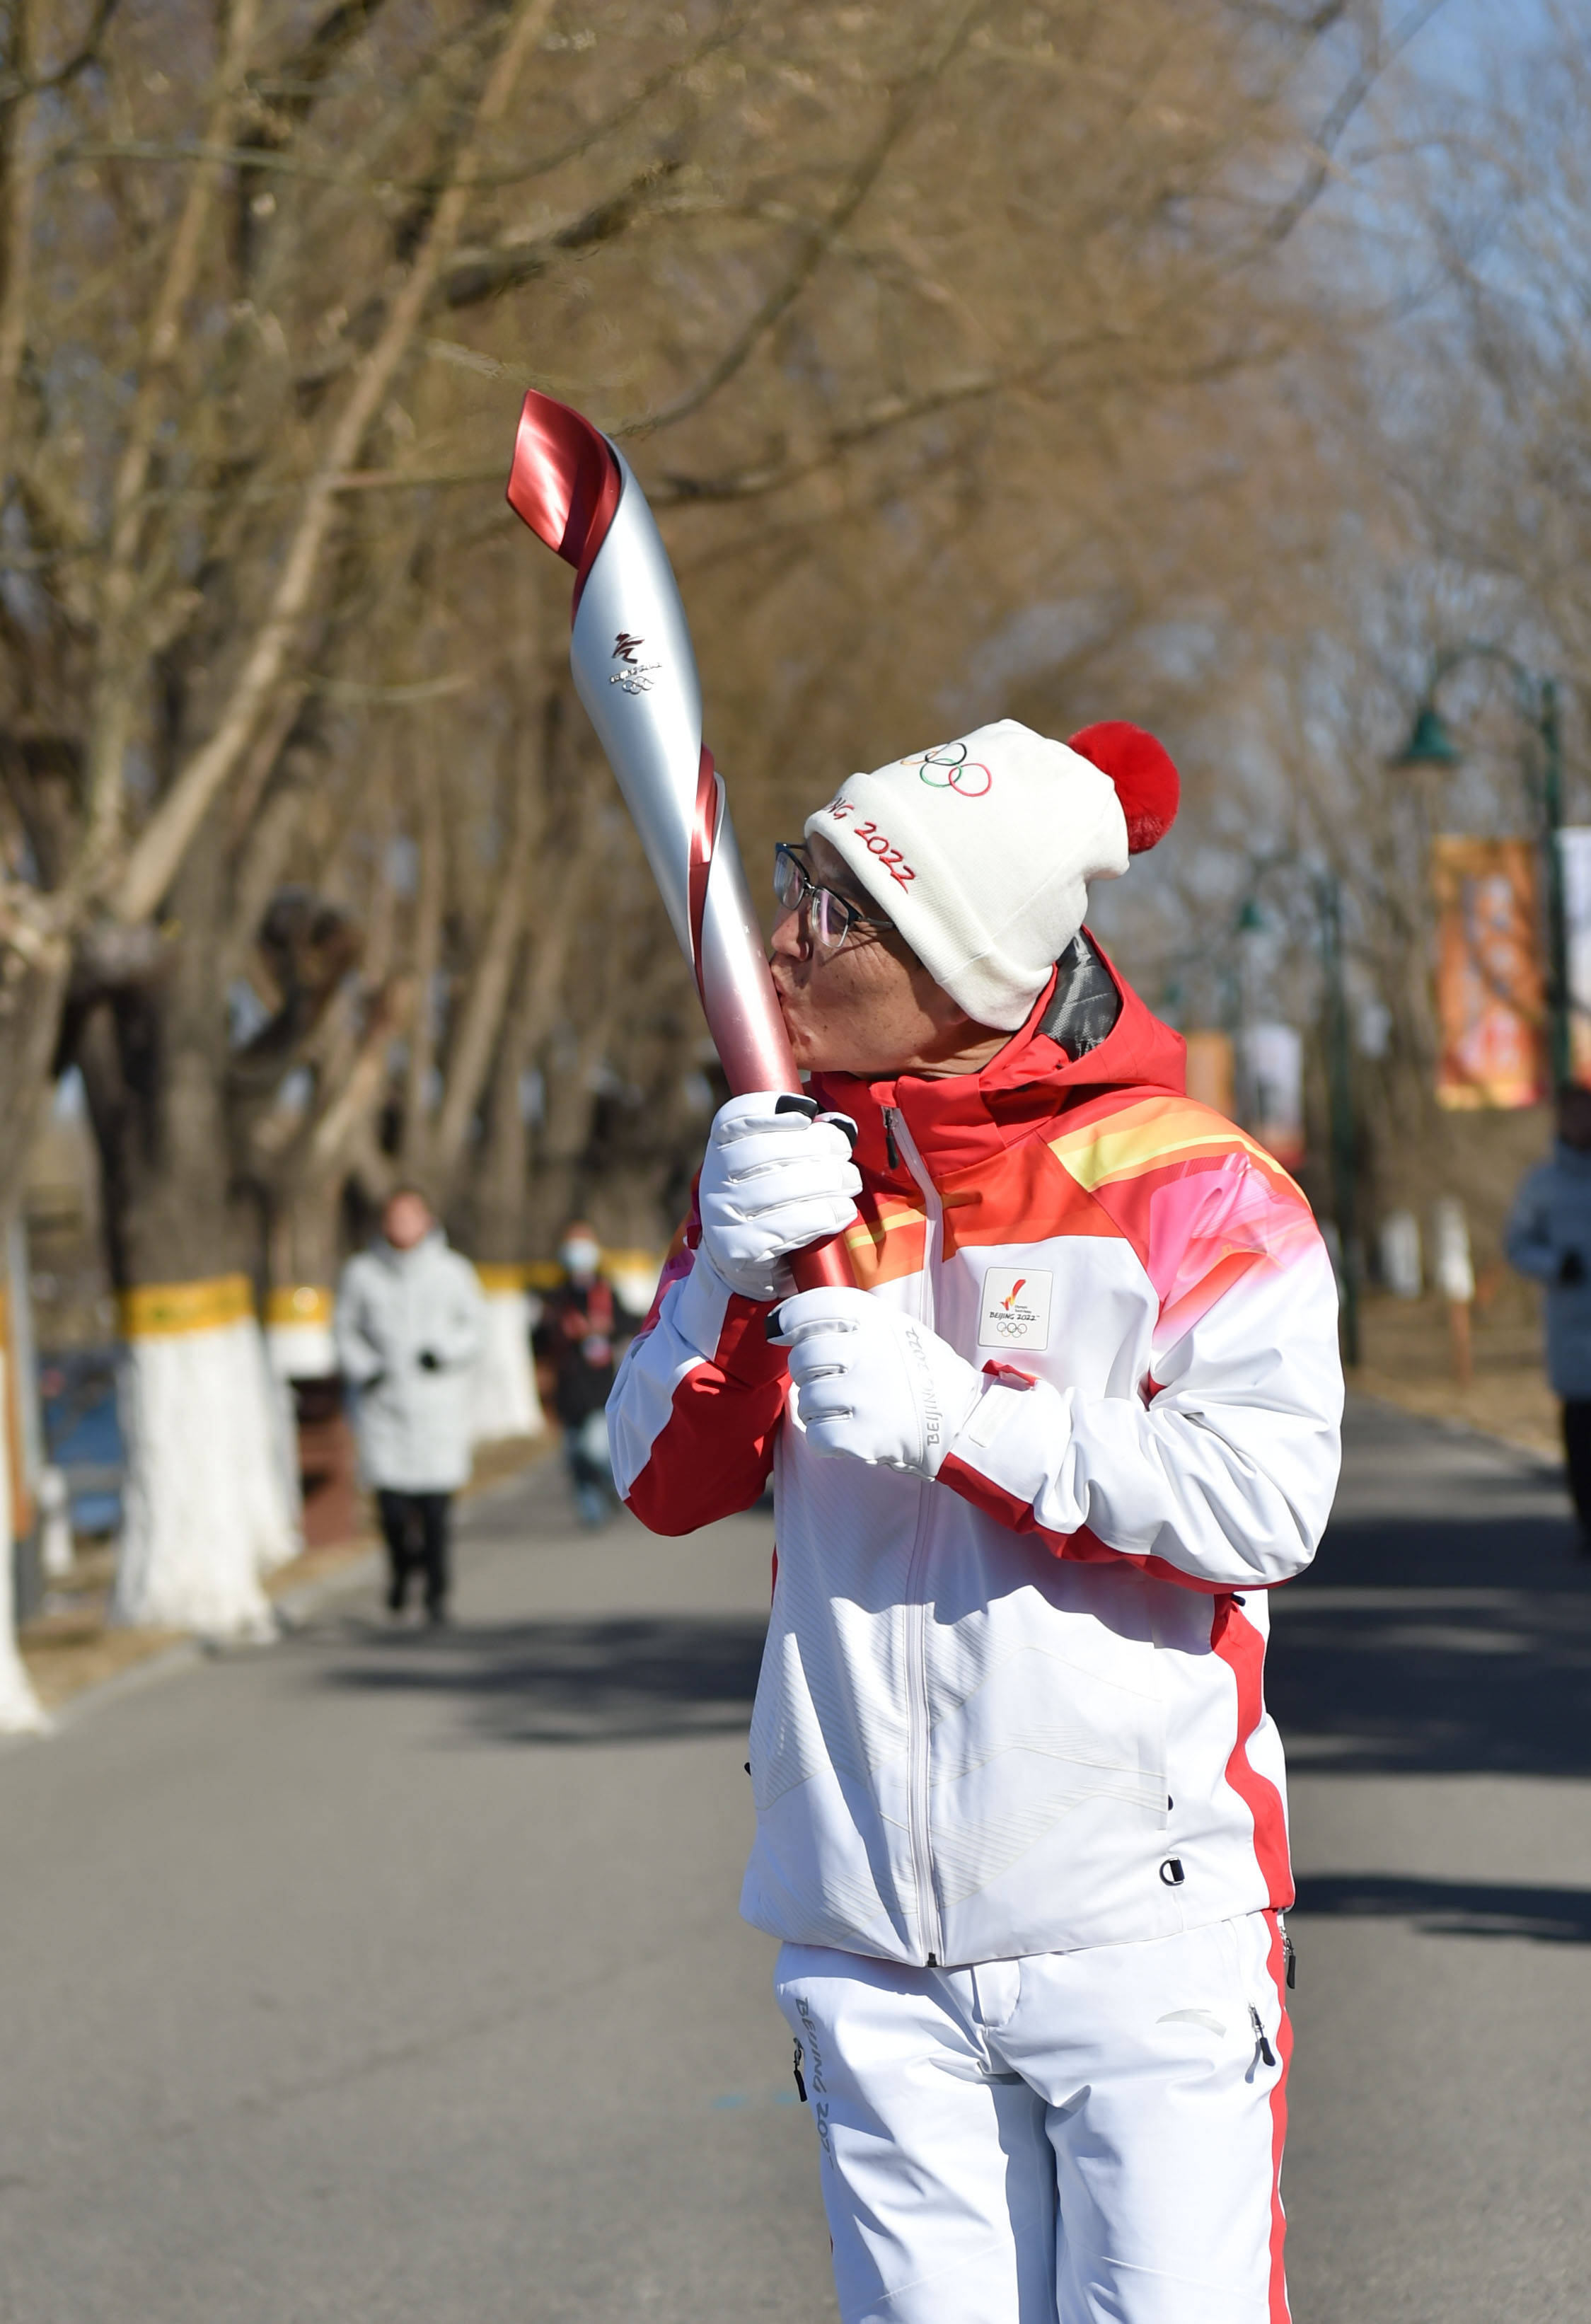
x=789, y=851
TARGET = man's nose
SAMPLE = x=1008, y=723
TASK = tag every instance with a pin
x=787, y=941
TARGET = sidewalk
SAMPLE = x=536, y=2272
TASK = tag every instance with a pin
x=71, y=1647
x=1408, y=1362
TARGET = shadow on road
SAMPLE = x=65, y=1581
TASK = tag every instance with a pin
x=1432, y=1643
x=1452, y=1908
x=593, y=1681
x=1445, y=1627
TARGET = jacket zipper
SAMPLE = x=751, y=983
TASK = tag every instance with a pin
x=898, y=1140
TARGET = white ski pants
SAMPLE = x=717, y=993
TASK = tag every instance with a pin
x=1083, y=2137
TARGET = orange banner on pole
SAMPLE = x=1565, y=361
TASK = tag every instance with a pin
x=1491, y=999
x=1212, y=1073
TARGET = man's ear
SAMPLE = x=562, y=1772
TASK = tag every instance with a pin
x=945, y=1009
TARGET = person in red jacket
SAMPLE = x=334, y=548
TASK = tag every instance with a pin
x=1020, y=1807
x=581, y=1332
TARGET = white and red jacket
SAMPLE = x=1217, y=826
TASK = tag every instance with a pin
x=1019, y=1710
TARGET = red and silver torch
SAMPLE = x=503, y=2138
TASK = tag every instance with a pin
x=630, y=649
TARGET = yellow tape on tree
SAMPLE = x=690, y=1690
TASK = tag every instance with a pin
x=548, y=1275
x=630, y=1262
x=161, y=1311
x=299, y=1303
x=496, y=1278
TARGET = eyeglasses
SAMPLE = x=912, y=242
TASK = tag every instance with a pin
x=827, y=919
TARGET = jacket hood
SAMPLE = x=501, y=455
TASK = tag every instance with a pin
x=962, y=1118
x=436, y=1240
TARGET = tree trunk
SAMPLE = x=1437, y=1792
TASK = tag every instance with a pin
x=208, y=1504
x=507, y=1402
x=18, y=1706
x=304, y=1265
x=30, y=1023
x=501, y=1175
x=558, y=1184
x=30, y=1015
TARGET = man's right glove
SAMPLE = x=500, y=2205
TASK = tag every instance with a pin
x=872, y=1385
x=774, y=1178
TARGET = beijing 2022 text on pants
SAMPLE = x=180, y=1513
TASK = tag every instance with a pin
x=404, y=1516
x=1093, y=2138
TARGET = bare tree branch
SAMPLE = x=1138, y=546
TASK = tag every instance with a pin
x=1286, y=216
x=474, y=1036
x=904, y=108
x=19, y=85
x=154, y=858
x=18, y=182
x=477, y=275
x=112, y=708
x=431, y=887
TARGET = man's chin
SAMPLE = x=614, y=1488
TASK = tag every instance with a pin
x=807, y=1048
x=812, y=1052
x=793, y=1028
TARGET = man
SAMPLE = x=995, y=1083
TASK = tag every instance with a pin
x=410, y=1321
x=579, y=1335
x=1548, y=1236
x=1020, y=1812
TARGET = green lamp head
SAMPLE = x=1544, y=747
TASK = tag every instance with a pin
x=1430, y=744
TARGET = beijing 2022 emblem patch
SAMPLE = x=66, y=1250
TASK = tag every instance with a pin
x=1015, y=1309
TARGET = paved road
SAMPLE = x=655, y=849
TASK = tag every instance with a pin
x=1432, y=1677
x=378, y=1978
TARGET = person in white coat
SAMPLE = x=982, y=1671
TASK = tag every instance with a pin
x=408, y=1327
x=1021, y=1820
x=1548, y=1237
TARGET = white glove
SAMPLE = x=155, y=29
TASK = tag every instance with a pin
x=772, y=1181
x=872, y=1383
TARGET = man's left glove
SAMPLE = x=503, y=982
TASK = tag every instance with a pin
x=872, y=1384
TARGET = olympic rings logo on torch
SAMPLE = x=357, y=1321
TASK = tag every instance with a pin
x=947, y=768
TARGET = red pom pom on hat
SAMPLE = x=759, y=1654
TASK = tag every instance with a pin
x=1146, y=782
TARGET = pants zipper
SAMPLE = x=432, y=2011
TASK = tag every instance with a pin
x=898, y=1140
x=1261, y=2041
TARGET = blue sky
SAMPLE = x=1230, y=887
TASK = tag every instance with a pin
x=1466, y=40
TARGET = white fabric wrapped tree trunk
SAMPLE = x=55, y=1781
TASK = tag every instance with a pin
x=19, y=1713
x=207, y=1501
x=299, y=1332
x=505, y=1401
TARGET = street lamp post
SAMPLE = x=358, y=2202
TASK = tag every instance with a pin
x=1341, y=1135
x=1339, y=1103
x=1431, y=744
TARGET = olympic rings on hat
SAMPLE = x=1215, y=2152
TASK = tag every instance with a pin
x=947, y=768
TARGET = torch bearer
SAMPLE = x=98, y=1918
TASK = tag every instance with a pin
x=630, y=649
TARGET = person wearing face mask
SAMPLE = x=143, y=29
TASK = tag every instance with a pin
x=409, y=1326
x=581, y=1333
x=1020, y=1806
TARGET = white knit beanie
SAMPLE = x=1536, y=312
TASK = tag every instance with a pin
x=981, y=850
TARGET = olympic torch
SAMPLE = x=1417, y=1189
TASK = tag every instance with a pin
x=635, y=670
